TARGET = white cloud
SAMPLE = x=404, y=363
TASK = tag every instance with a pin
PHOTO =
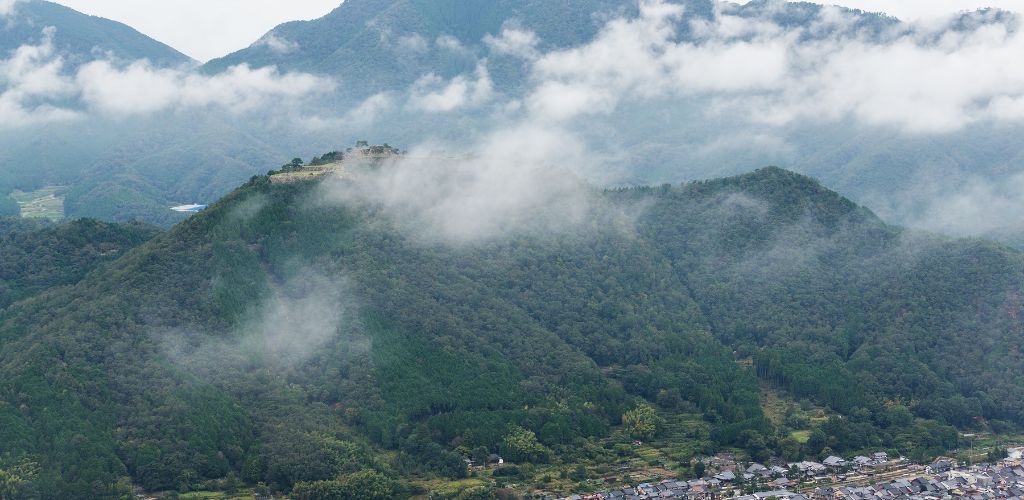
x=514, y=42
x=916, y=79
x=452, y=44
x=277, y=44
x=431, y=93
x=972, y=206
x=7, y=6
x=29, y=80
x=413, y=43
x=370, y=110
x=35, y=88
x=140, y=88
x=514, y=180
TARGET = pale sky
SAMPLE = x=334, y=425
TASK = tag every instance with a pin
x=205, y=29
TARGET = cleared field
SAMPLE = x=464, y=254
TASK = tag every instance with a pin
x=801, y=436
x=46, y=203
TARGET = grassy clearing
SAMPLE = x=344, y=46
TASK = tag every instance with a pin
x=974, y=446
x=440, y=487
x=205, y=495
x=44, y=203
x=801, y=436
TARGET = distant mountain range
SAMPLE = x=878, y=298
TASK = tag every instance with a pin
x=374, y=47
x=366, y=43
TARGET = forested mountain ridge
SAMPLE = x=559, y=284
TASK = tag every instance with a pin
x=283, y=338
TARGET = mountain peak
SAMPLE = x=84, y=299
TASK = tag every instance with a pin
x=80, y=37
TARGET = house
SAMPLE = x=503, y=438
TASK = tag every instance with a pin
x=834, y=462
x=940, y=465
x=880, y=457
x=726, y=476
x=756, y=468
x=809, y=468
x=861, y=461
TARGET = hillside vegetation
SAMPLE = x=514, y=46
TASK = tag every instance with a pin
x=38, y=256
x=280, y=339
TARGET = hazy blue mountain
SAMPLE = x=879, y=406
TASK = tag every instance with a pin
x=366, y=43
x=82, y=37
x=362, y=43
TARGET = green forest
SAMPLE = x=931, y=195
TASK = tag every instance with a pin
x=276, y=341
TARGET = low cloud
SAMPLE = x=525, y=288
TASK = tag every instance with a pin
x=974, y=206
x=431, y=93
x=278, y=44
x=918, y=79
x=140, y=88
x=303, y=315
x=413, y=43
x=36, y=87
x=367, y=112
x=7, y=6
x=518, y=180
x=30, y=80
x=744, y=69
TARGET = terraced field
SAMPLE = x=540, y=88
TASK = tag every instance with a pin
x=47, y=202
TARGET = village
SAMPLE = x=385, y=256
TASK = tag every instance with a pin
x=860, y=478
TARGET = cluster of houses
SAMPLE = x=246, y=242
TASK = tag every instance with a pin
x=678, y=489
x=776, y=478
x=942, y=479
x=974, y=483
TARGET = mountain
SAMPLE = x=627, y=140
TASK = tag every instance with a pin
x=364, y=42
x=82, y=37
x=387, y=45
x=287, y=337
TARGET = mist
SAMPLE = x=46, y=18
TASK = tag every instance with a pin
x=665, y=95
x=311, y=313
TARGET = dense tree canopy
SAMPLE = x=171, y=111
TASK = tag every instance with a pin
x=283, y=341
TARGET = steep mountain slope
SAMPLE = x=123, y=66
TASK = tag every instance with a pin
x=82, y=37
x=41, y=256
x=281, y=337
x=806, y=280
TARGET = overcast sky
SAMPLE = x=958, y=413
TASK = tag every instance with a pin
x=205, y=29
